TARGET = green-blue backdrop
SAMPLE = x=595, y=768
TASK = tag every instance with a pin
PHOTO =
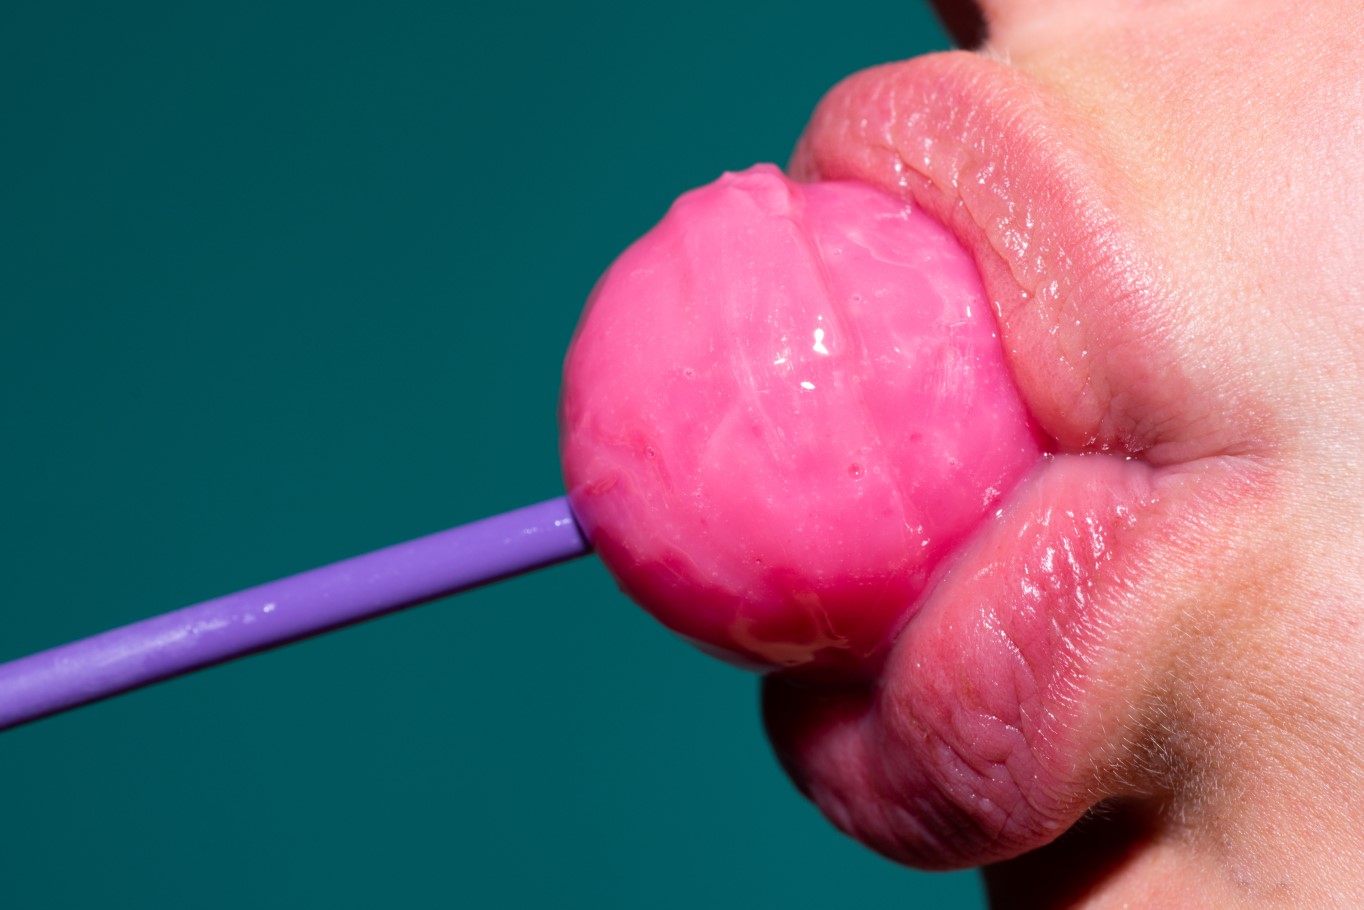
x=281, y=282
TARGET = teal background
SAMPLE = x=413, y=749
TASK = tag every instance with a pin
x=283, y=283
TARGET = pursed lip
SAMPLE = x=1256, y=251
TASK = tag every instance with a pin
x=1012, y=700
x=1019, y=178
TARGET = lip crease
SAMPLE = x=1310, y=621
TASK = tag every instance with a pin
x=1005, y=704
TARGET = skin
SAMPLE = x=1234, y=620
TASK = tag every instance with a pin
x=1180, y=287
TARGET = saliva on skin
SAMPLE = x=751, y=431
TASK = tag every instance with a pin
x=785, y=409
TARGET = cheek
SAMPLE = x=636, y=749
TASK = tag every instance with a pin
x=784, y=407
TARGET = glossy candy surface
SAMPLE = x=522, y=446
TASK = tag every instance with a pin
x=785, y=407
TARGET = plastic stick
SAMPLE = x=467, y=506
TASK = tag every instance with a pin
x=287, y=610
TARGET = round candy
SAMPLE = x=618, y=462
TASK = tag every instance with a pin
x=784, y=408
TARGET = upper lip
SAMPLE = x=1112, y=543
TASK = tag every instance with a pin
x=1003, y=164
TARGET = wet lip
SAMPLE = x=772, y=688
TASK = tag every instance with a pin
x=1007, y=692
x=1001, y=163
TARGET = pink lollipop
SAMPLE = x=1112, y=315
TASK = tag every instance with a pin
x=786, y=406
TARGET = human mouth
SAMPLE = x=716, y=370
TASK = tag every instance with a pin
x=1015, y=692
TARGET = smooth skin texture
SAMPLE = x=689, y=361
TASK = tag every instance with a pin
x=1149, y=690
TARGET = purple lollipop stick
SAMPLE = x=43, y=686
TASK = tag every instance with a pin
x=287, y=610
